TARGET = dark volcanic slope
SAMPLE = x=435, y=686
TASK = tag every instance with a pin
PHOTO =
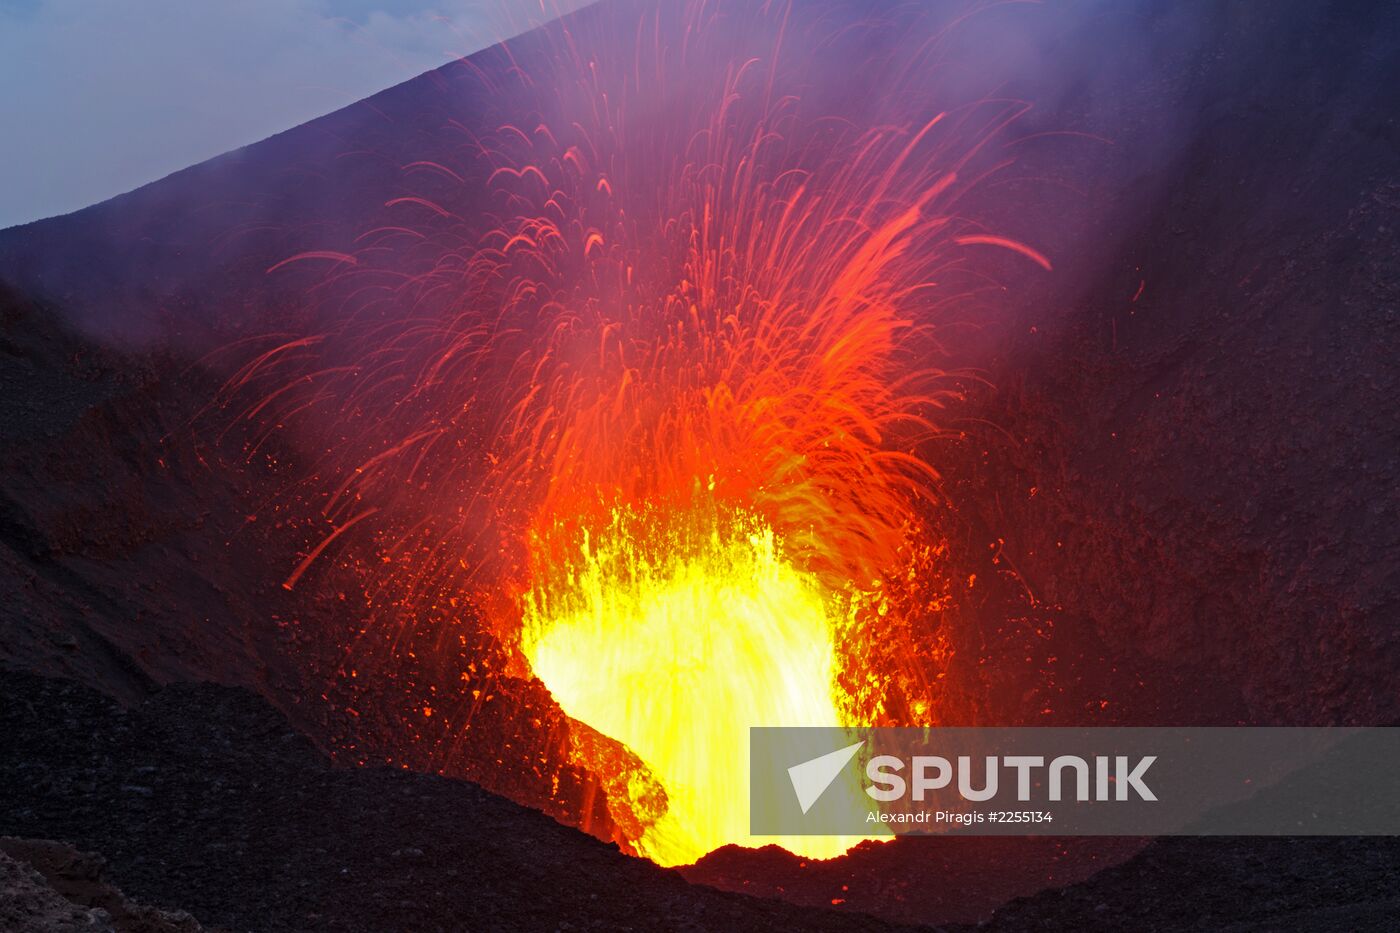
x=1178, y=885
x=204, y=799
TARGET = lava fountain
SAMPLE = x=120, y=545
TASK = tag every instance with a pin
x=645, y=377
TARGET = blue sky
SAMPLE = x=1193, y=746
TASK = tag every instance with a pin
x=102, y=96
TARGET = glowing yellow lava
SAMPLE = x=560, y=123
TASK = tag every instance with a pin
x=675, y=649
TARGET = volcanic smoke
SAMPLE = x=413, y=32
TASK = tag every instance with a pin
x=645, y=377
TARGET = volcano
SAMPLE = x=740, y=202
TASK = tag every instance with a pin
x=533, y=425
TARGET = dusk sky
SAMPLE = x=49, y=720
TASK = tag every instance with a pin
x=102, y=96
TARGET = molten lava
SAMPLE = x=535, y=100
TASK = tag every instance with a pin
x=653, y=395
x=670, y=641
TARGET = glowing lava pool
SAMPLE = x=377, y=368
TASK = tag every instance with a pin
x=671, y=646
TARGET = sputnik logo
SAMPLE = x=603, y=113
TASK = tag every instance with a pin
x=810, y=779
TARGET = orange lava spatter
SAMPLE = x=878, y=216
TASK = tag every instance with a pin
x=656, y=402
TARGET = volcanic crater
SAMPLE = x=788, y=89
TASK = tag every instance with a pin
x=282, y=590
